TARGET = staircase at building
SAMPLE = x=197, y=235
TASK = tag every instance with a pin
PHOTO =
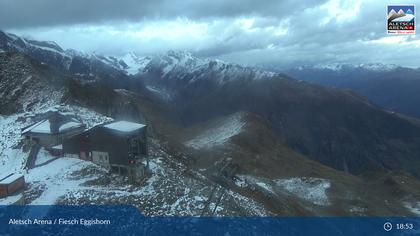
x=33, y=153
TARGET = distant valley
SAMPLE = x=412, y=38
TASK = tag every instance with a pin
x=392, y=87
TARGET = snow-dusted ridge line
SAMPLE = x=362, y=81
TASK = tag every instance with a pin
x=337, y=67
x=132, y=63
x=33, y=45
x=184, y=66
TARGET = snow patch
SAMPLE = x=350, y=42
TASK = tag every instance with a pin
x=56, y=178
x=43, y=157
x=10, y=200
x=265, y=186
x=413, y=207
x=70, y=125
x=218, y=135
x=310, y=189
x=240, y=181
x=124, y=126
x=11, y=159
x=27, y=79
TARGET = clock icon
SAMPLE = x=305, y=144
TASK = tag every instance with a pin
x=387, y=226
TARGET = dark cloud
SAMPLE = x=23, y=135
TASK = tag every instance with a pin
x=249, y=32
x=39, y=13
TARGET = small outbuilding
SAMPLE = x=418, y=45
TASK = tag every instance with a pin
x=11, y=184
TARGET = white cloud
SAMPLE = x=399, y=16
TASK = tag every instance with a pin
x=340, y=11
x=397, y=40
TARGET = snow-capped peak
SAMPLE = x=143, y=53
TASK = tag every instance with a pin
x=174, y=60
x=134, y=63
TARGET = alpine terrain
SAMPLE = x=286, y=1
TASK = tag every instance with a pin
x=224, y=139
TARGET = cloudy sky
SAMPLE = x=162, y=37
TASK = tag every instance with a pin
x=283, y=32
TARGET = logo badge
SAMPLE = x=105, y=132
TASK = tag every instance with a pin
x=401, y=19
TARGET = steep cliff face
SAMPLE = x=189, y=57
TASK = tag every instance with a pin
x=26, y=84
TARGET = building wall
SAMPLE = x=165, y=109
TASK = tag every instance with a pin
x=100, y=141
x=101, y=158
x=16, y=186
x=115, y=145
x=70, y=133
x=77, y=143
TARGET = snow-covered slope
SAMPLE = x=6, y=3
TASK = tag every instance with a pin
x=167, y=192
x=219, y=134
x=309, y=189
x=55, y=178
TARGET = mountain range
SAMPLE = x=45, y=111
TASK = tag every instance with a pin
x=299, y=148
